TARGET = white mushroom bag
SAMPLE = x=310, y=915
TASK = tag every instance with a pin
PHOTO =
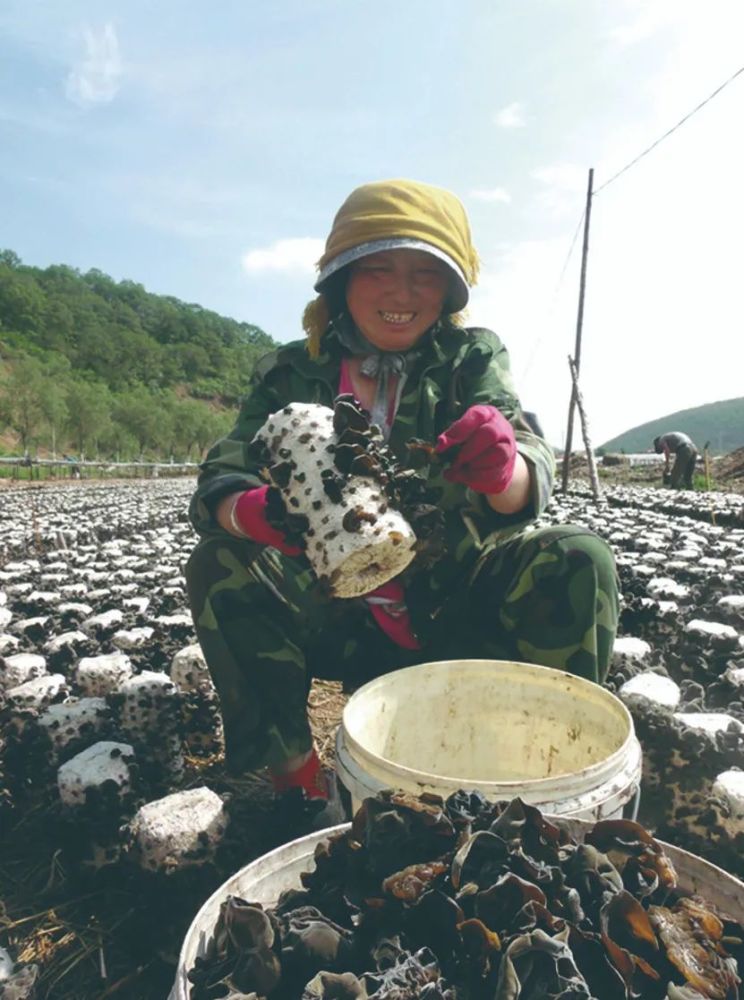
x=355, y=541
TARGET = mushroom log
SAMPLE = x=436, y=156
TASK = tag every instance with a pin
x=330, y=472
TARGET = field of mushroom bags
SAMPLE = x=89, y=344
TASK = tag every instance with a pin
x=116, y=813
x=678, y=662
x=114, y=805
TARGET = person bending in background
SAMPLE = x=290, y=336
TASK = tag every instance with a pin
x=386, y=326
x=685, y=456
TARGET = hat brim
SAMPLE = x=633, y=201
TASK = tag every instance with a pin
x=458, y=294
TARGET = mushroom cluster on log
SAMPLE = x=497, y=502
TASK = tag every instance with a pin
x=338, y=493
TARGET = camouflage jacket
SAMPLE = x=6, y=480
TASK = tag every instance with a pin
x=454, y=369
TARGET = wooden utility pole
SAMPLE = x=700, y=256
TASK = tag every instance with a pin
x=706, y=461
x=593, y=477
x=579, y=325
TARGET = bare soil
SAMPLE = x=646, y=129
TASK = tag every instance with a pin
x=726, y=473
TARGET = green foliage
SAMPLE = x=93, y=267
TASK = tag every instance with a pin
x=89, y=414
x=138, y=412
x=104, y=368
x=720, y=424
x=121, y=334
x=51, y=409
x=21, y=396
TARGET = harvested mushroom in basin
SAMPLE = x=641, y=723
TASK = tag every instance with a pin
x=466, y=900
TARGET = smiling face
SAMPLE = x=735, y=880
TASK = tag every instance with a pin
x=395, y=296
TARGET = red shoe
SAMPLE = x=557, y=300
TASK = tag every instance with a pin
x=309, y=777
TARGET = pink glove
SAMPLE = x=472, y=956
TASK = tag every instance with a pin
x=249, y=516
x=387, y=604
x=486, y=449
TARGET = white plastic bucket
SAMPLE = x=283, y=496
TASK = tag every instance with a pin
x=263, y=880
x=507, y=729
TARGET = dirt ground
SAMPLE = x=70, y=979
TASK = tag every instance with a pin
x=726, y=472
x=729, y=470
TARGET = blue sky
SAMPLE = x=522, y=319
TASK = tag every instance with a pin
x=203, y=152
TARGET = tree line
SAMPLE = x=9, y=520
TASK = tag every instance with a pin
x=107, y=369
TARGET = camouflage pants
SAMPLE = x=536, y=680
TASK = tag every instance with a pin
x=684, y=467
x=546, y=596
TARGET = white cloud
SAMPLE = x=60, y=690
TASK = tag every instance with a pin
x=646, y=19
x=512, y=116
x=96, y=78
x=564, y=176
x=298, y=254
x=563, y=187
x=497, y=194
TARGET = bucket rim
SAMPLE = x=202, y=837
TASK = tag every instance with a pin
x=546, y=798
x=605, y=767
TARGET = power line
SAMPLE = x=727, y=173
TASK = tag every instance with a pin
x=570, y=251
x=614, y=177
x=553, y=298
x=669, y=132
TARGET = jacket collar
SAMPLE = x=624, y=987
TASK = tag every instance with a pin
x=440, y=344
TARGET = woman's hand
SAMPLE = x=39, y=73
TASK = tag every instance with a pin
x=487, y=459
x=244, y=515
x=486, y=450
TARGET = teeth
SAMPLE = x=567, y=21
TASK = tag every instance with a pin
x=397, y=317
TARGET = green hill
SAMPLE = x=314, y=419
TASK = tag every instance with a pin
x=721, y=424
x=96, y=366
x=122, y=334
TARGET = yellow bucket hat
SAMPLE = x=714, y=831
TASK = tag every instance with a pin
x=392, y=215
